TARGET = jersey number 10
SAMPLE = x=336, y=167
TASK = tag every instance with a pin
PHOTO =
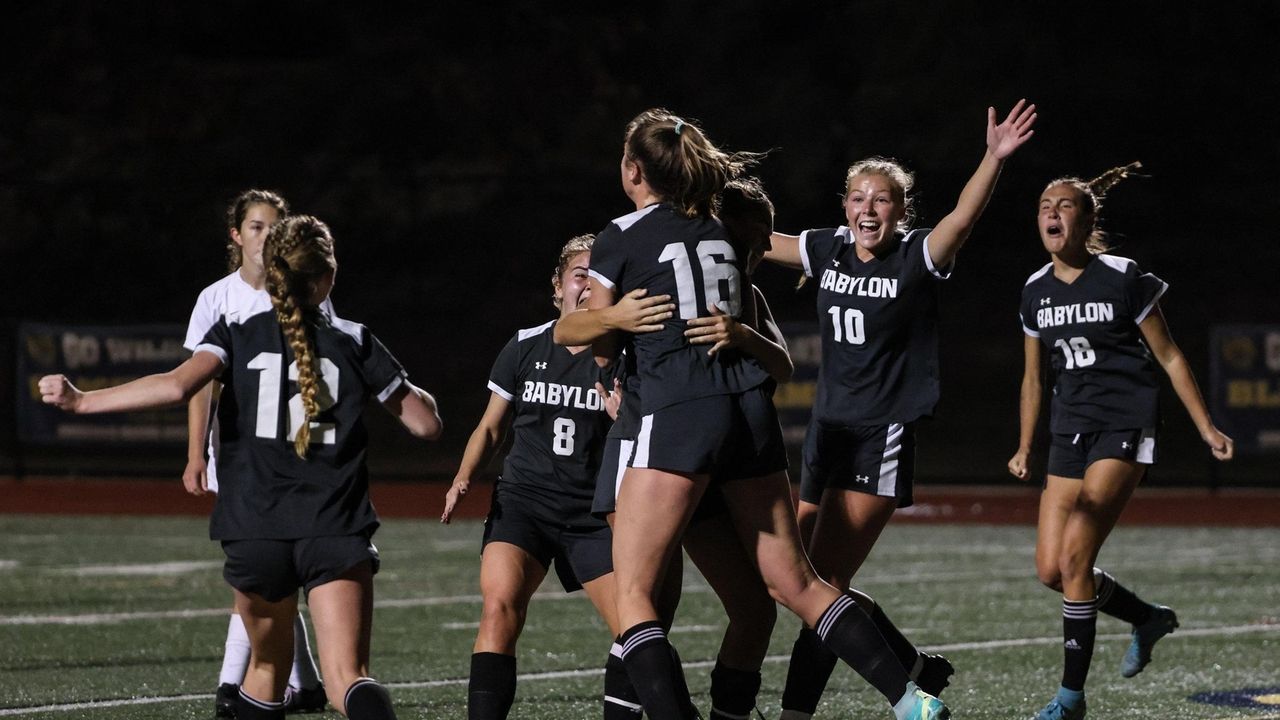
x=268, y=423
x=720, y=278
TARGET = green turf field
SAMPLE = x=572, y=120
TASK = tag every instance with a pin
x=124, y=618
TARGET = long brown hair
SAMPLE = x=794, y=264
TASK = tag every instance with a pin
x=1092, y=193
x=297, y=254
x=679, y=162
x=236, y=212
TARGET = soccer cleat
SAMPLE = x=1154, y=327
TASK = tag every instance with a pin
x=305, y=700
x=926, y=707
x=935, y=674
x=1056, y=710
x=224, y=700
x=1161, y=623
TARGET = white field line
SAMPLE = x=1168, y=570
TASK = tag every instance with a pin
x=701, y=664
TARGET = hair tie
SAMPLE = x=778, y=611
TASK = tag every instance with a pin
x=679, y=126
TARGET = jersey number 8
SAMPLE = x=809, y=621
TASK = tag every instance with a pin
x=268, y=423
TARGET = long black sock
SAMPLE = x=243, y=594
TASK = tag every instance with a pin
x=1079, y=627
x=492, y=686
x=848, y=632
x=901, y=646
x=248, y=708
x=620, y=699
x=367, y=700
x=652, y=668
x=733, y=692
x=807, y=675
x=1119, y=601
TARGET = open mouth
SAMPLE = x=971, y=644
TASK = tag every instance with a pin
x=869, y=226
x=1054, y=230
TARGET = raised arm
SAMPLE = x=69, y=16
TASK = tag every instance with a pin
x=785, y=251
x=416, y=410
x=634, y=313
x=604, y=347
x=1002, y=140
x=484, y=440
x=1028, y=406
x=178, y=385
x=1170, y=357
x=195, y=478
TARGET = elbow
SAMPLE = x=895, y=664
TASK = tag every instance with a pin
x=429, y=428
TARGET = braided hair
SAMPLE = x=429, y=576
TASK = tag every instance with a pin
x=1092, y=193
x=297, y=254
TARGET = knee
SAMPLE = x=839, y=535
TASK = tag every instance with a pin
x=501, y=615
x=1049, y=574
x=757, y=610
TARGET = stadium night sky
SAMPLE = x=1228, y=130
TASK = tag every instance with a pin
x=454, y=148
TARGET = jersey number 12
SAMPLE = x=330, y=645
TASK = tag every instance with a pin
x=268, y=423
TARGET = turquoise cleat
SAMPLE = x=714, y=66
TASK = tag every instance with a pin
x=1161, y=623
x=1066, y=705
x=924, y=707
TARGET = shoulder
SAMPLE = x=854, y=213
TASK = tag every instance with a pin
x=1122, y=265
x=532, y=334
x=628, y=221
x=1039, y=274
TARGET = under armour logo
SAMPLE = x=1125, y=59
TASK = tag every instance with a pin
x=1126, y=445
x=1045, y=301
x=835, y=263
x=540, y=365
x=862, y=479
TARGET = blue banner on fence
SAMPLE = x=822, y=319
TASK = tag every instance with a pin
x=95, y=357
x=1244, y=370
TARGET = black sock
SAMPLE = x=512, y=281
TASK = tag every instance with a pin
x=1079, y=626
x=902, y=648
x=807, y=675
x=848, y=632
x=367, y=700
x=1119, y=601
x=653, y=671
x=492, y=686
x=620, y=699
x=733, y=692
x=248, y=708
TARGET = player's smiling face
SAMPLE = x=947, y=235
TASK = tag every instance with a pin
x=1064, y=223
x=572, y=290
x=873, y=207
x=252, y=234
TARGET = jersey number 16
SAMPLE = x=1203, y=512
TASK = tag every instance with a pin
x=720, y=278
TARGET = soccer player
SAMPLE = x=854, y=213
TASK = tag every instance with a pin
x=1097, y=319
x=555, y=401
x=703, y=416
x=878, y=311
x=293, y=507
x=249, y=218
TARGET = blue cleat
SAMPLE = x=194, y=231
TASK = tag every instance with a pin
x=1066, y=705
x=923, y=706
x=1161, y=623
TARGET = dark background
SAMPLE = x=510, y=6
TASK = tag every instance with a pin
x=453, y=148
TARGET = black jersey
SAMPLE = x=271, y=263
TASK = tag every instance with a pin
x=559, y=422
x=879, y=325
x=266, y=491
x=692, y=260
x=1104, y=375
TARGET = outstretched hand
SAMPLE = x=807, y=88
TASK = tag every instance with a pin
x=1008, y=136
x=635, y=313
x=451, y=499
x=58, y=391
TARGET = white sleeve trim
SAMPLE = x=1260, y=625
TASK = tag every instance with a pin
x=1030, y=332
x=391, y=388
x=212, y=350
x=497, y=390
x=1151, y=305
x=804, y=253
x=928, y=260
x=609, y=284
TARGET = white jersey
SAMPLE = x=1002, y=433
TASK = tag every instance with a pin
x=233, y=298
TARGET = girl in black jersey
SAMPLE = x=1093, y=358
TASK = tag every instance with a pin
x=541, y=510
x=249, y=219
x=1097, y=319
x=877, y=310
x=293, y=505
x=704, y=416
x=710, y=539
